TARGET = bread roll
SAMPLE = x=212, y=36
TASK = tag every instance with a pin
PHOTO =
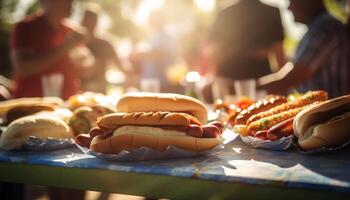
x=60, y=113
x=25, y=110
x=324, y=125
x=148, y=102
x=155, y=138
x=7, y=105
x=43, y=127
x=114, y=120
x=84, y=118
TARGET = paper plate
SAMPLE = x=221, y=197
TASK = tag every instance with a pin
x=49, y=144
x=281, y=144
x=320, y=150
x=145, y=153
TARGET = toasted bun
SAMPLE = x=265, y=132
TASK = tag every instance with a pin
x=151, y=102
x=25, y=110
x=324, y=125
x=114, y=120
x=131, y=141
x=43, y=127
x=5, y=106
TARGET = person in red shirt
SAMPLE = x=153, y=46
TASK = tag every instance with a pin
x=40, y=46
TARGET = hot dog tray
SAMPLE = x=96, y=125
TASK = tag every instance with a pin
x=281, y=144
x=38, y=144
x=145, y=153
x=49, y=144
x=320, y=150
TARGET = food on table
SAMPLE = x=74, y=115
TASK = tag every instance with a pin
x=25, y=110
x=155, y=130
x=5, y=106
x=88, y=99
x=154, y=102
x=241, y=129
x=276, y=116
x=324, y=125
x=260, y=106
x=175, y=124
x=307, y=98
x=282, y=129
x=60, y=113
x=293, y=96
x=244, y=102
x=84, y=118
x=41, y=126
x=225, y=110
x=227, y=107
x=267, y=122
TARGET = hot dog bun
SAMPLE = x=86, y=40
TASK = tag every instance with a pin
x=114, y=120
x=324, y=125
x=5, y=106
x=156, y=138
x=43, y=127
x=25, y=110
x=153, y=102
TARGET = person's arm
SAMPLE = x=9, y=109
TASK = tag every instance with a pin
x=311, y=54
x=287, y=77
x=114, y=58
x=278, y=53
x=28, y=62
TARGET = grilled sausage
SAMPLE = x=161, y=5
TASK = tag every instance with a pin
x=282, y=129
x=308, y=98
x=260, y=106
x=270, y=121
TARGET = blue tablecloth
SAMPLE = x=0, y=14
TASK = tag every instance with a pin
x=234, y=162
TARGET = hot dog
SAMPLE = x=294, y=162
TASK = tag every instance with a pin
x=156, y=121
x=282, y=129
x=19, y=111
x=260, y=106
x=270, y=121
x=324, y=125
x=142, y=129
x=308, y=98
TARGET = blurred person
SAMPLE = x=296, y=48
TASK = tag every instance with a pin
x=322, y=58
x=40, y=46
x=103, y=52
x=161, y=54
x=243, y=37
x=197, y=51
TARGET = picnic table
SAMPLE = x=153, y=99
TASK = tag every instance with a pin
x=234, y=171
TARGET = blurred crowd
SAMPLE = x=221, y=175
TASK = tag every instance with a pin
x=48, y=55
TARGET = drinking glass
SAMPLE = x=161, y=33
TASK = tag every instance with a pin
x=245, y=88
x=220, y=88
x=52, y=85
